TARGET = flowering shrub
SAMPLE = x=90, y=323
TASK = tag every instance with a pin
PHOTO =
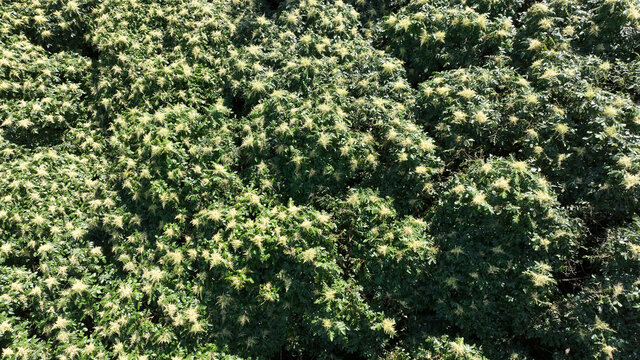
x=371, y=11
x=433, y=37
x=56, y=25
x=600, y=320
x=326, y=110
x=547, y=26
x=441, y=347
x=381, y=247
x=42, y=93
x=263, y=179
x=171, y=161
x=609, y=28
x=480, y=110
x=242, y=272
x=313, y=52
x=626, y=78
x=284, y=142
x=501, y=236
x=53, y=260
x=158, y=67
x=582, y=153
x=612, y=28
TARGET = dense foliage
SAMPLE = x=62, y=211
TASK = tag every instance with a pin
x=357, y=179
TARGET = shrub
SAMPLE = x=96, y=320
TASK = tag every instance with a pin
x=484, y=111
x=612, y=29
x=626, y=78
x=600, y=321
x=501, y=236
x=442, y=347
x=431, y=37
x=43, y=93
x=285, y=149
x=608, y=29
x=143, y=66
x=54, y=262
x=547, y=26
x=381, y=247
x=171, y=162
x=319, y=179
x=55, y=25
x=255, y=277
x=580, y=154
x=293, y=81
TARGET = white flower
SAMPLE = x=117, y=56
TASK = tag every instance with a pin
x=519, y=165
x=154, y=275
x=77, y=233
x=125, y=291
x=502, y=184
x=389, y=326
x=479, y=199
x=309, y=255
x=5, y=327
x=6, y=248
x=78, y=287
x=630, y=180
x=535, y=44
x=540, y=280
x=384, y=211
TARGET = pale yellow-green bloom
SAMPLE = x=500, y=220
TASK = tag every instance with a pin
x=389, y=326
